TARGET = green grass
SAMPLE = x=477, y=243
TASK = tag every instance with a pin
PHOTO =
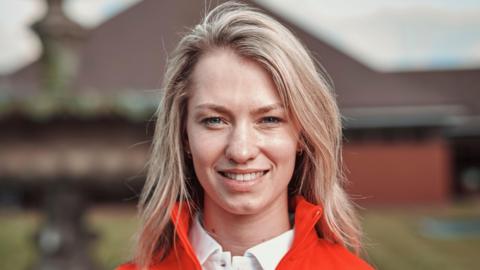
x=393, y=239
x=115, y=231
x=17, y=250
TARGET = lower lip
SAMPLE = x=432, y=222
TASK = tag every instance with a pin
x=241, y=186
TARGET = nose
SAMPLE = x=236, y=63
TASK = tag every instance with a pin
x=242, y=144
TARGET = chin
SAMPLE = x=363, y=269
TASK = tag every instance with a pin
x=243, y=206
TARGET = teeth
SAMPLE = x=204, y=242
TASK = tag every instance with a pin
x=244, y=176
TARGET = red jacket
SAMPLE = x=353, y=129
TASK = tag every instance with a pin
x=308, y=251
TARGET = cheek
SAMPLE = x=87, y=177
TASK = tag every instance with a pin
x=283, y=148
x=205, y=148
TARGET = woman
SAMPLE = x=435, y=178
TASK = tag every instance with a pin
x=245, y=171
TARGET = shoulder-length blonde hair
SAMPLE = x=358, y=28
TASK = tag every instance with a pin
x=306, y=93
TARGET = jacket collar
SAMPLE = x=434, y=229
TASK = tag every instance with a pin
x=307, y=216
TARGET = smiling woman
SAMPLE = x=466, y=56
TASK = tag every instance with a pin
x=245, y=171
x=243, y=148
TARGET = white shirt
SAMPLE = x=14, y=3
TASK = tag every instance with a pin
x=264, y=256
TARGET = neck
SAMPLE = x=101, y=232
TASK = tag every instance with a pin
x=237, y=233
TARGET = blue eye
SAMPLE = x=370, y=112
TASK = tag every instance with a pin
x=271, y=120
x=211, y=121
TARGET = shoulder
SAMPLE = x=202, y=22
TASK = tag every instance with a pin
x=167, y=264
x=339, y=256
x=132, y=266
x=126, y=266
x=326, y=255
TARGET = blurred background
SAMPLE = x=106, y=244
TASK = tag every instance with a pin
x=79, y=83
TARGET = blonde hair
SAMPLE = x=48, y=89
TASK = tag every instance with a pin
x=306, y=93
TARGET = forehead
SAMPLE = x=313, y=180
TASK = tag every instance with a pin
x=224, y=77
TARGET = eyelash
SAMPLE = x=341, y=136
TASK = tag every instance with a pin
x=216, y=120
x=271, y=120
x=208, y=121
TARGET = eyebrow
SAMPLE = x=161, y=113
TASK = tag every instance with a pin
x=225, y=110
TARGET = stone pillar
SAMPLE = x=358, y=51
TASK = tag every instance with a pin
x=62, y=240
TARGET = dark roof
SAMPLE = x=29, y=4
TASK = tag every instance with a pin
x=127, y=54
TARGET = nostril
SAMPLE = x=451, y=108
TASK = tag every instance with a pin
x=241, y=152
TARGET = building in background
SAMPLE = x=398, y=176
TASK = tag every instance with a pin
x=411, y=137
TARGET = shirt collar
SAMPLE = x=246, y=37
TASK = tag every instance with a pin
x=204, y=246
x=306, y=217
x=263, y=251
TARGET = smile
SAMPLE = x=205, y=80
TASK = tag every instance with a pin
x=243, y=176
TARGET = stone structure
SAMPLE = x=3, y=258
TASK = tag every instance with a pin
x=63, y=239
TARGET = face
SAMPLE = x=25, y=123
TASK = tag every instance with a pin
x=242, y=145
